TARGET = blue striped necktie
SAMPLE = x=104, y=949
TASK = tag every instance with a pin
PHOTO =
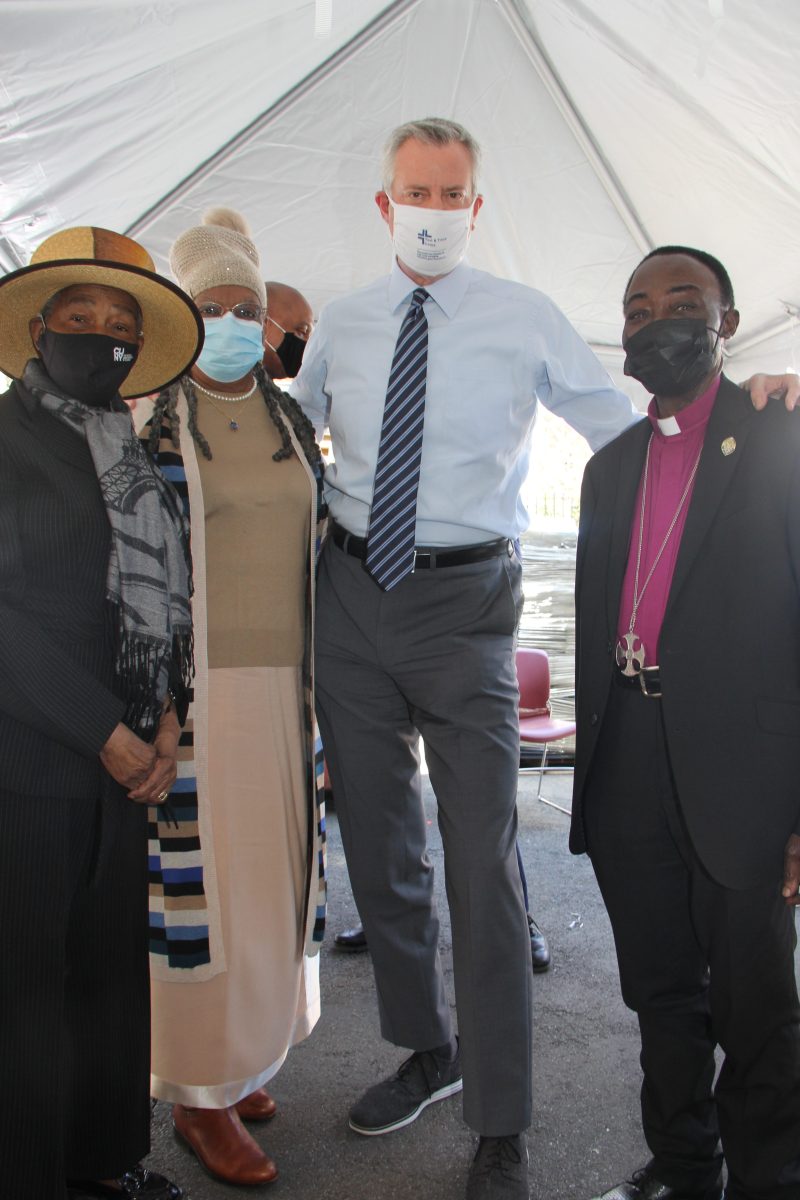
x=393, y=516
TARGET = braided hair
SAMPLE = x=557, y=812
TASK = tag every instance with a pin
x=277, y=402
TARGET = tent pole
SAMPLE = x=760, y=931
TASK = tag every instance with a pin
x=578, y=127
x=387, y=17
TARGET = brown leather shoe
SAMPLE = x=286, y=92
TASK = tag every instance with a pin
x=223, y=1145
x=258, y=1106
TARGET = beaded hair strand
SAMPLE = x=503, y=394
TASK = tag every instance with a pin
x=164, y=409
x=304, y=430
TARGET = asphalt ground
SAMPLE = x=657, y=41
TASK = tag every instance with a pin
x=585, y=1133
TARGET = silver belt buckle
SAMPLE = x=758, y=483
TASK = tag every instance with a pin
x=414, y=560
x=650, y=682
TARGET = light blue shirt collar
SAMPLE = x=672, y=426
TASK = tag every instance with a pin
x=448, y=292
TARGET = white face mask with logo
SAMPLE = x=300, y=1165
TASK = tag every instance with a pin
x=430, y=241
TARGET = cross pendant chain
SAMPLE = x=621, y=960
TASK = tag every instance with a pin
x=630, y=651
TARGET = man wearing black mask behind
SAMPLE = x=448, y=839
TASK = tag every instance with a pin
x=688, y=749
x=287, y=327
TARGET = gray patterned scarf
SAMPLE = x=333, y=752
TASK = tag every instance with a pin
x=149, y=581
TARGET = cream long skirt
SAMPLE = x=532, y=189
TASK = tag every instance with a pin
x=216, y=1041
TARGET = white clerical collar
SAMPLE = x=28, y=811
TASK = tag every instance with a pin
x=668, y=426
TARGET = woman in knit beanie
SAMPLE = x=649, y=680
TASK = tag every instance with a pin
x=237, y=888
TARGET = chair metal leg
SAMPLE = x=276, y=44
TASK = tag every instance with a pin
x=567, y=811
x=551, y=803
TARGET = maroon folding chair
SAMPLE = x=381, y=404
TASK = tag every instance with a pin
x=536, y=724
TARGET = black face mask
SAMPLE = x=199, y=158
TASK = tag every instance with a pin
x=290, y=352
x=90, y=367
x=673, y=356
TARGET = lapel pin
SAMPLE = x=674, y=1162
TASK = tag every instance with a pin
x=728, y=446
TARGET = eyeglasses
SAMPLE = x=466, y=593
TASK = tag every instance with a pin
x=243, y=312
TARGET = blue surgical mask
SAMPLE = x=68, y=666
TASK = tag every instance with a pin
x=232, y=347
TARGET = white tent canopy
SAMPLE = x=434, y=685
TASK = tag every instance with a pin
x=609, y=127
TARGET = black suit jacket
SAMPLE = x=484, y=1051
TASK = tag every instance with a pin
x=729, y=650
x=57, y=704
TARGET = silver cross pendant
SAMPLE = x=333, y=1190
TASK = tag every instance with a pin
x=630, y=653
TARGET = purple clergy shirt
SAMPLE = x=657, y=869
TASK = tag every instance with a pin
x=677, y=442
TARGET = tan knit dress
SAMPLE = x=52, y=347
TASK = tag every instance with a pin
x=217, y=1040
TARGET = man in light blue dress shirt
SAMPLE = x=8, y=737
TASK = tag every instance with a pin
x=434, y=656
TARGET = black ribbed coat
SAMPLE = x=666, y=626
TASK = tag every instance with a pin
x=74, y=998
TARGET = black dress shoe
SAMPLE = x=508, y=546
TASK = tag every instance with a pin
x=138, y=1184
x=354, y=940
x=540, y=951
x=499, y=1170
x=643, y=1185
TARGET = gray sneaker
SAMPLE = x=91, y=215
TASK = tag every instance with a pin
x=499, y=1169
x=422, y=1079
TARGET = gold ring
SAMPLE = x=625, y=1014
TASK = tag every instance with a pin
x=162, y=797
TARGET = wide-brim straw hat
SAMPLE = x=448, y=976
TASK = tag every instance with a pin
x=172, y=326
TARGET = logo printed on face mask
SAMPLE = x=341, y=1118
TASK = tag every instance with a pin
x=89, y=367
x=430, y=241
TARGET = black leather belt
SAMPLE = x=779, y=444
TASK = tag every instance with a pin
x=647, y=681
x=428, y=557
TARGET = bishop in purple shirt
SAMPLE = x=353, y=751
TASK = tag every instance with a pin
x=688, y=747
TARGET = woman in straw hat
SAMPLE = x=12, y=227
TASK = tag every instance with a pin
x=237, y=890
x=95, y=646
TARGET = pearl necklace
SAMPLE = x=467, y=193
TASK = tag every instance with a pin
x=226, y=396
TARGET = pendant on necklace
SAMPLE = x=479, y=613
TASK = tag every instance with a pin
x=630, y=653
x=233, y=425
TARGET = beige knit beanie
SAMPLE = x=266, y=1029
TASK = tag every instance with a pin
x=218, y=252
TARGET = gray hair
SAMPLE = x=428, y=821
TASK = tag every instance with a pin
x=434, y=131
x=49, y=305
